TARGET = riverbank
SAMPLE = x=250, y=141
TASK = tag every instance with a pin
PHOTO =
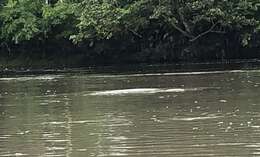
x=138, y=68
x=85, y=33
x=66, y=55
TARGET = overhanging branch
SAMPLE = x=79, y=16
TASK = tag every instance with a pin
x=135, y=33
x=185, y=33
x=204, y=33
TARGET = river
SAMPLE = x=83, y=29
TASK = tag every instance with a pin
x=155, y=113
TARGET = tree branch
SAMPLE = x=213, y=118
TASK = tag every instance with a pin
x=135, y=33
x=204, y=33
x=219, y=32
x=187, y=28
x=185, y=33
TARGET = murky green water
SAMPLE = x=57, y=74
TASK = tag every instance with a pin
x=214, y=113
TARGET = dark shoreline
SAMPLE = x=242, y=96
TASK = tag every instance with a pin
x=139, y=68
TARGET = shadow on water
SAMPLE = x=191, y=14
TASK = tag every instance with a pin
x=140, y=68
x=160, y=112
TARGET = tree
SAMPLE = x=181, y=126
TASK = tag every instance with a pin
x=195, y=19
x=92, y=20
x=20, y=20
x=104, y=19
x=59, y=20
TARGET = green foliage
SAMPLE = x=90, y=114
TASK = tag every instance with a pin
x=195, y=19
x=98, y=20
x=104, y=19
x=59, y=19
x=85, y=20
x=24, y=20
x=20, y=20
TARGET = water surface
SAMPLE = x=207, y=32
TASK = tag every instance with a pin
x=154, y=113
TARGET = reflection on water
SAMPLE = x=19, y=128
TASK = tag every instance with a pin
x=158, y=114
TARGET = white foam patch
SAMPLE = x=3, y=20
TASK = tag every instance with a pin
x=195, y=118
x=127, y=91
x=143, y=91
x=15, y=154
x=177, y=73
x=45, y=77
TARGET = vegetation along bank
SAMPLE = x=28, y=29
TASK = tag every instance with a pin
x=87, y=32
